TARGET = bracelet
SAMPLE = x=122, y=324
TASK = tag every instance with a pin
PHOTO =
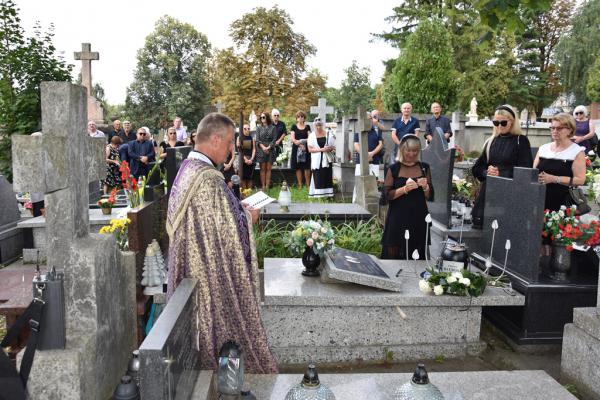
x=405, y=192
x=557, y=180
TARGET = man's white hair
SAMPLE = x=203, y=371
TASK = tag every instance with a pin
x=275, y=111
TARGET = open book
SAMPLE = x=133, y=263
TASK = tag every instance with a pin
x=258, y=200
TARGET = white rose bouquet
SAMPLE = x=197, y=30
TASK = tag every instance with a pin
x=316, y=234
x=464, y=283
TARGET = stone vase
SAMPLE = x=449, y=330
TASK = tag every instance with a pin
x=560, y=262
x=106, y=210
x=311, y=262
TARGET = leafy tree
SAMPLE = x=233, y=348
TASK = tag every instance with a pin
x=267, y=67
x=498, y=14
x=424, y=72
x=24, y=63
x=356, y=89
x=171, y=76
x=536, y=82
x=593, y=84
x=578, y=49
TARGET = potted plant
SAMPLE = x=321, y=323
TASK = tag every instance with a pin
x=312, y=239
x=564, y=229
x=106, y=205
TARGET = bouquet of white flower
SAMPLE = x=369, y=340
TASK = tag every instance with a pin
x=315, y=234
x=464, y=283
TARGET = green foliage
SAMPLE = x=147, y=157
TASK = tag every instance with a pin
x=424, y=72
x=24, y=63
x=593, y=84
x=267, y=67
x=571, y=388
x=578, y=49
x=356, y=89
x=171, y=76
x=507, y=13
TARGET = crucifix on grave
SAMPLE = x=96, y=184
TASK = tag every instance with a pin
x=321, y=109
x=220, y=106
x=86, y=56
x=60, y=163
x=366, y=184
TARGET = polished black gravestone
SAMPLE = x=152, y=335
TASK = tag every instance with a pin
x=175, y=156
x=169, y=362
x=518, y=206
x=11, y=237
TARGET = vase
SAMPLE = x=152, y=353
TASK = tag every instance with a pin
x=106, y=211
x=560, y=262
x=311, y=262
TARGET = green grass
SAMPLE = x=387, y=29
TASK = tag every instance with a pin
x=363, y=236
x=300, y=195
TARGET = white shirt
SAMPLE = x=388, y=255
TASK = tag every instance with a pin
x=196, y=155
x=569, y=153
x=181, y=134
x=98, y=133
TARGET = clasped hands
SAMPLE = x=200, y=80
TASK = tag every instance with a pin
x=411, y=184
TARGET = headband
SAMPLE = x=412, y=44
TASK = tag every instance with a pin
x=507, y=108
x=408, y=136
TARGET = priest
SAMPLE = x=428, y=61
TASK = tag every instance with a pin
x=211, y=240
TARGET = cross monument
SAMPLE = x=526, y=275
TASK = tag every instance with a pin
x=366, y=185
x=219, y=107
x=86, y=56
x=321, y=109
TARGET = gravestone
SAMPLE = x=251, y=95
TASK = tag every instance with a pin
x=367, y=194
x=169, y=361
x=95, y=110
x=99, y=292
x=321, y=109
x=175, y=156
x=359, y=268
x=219, y=106
x=441, y=160
x=11, y=237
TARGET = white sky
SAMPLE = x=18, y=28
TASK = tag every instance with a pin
x=117, y=29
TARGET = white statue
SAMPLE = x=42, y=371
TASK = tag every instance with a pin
x=252, y=121
x=473, y=108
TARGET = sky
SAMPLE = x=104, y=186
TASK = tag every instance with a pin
x=341, y=31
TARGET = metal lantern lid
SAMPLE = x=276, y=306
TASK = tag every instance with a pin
x=310, y=388
x=230, y=372
x=285, y=196
x=419, y=387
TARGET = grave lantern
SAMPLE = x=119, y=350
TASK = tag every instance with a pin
x=230, y=375
x=419, y=387
x=285, y=197
x=310, y=388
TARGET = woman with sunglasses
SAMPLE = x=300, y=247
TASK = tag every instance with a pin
x=300, y=158
x=506, y=149
x=170, y=141
x=247, y=148
x=584, y=134
x=266, y=135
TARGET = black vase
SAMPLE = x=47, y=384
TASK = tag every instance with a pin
x=311, y=262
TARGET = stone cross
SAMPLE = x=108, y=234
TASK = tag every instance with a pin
x=220, y=107
x=322, y=109
x=86, y=56
x=363, y=126
x=366, y=185
x=60, y=163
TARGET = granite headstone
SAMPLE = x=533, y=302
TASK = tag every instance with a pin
x=169, y=361
x=175, y=156
x=441, y=161
x=11, y=237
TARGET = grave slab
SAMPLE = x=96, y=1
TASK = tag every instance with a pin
x=11, y=237
x=335, y=213
x=307, y=320
x=488, y=385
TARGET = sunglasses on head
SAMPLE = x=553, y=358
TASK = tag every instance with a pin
x=500, y=123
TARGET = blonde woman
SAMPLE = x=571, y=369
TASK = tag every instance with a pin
x=584, y=130
x=506, y=149
x=407, y=186
x=561, y=162
x=321, y=145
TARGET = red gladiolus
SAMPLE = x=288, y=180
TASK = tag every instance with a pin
x=133, y=184
x=569, y=247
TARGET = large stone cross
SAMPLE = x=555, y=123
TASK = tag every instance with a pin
x=321, y=109
x=86, y=56
x=60, y=163
x=366, y=185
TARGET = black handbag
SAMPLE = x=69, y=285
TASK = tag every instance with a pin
x=575, y=197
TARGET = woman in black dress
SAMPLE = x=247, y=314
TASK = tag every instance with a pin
x=408, y=186
x=248, y=150
x=322, y=145
x=506, y=149
x=299, y=136
x=113, y=162
x=561, y=162
x=266, y=135
x=170, y=141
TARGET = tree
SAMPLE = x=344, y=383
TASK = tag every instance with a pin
x=266, y=68
x=593, y=83
x=424, y=72
x=171, y=76
x=356, y=89
x=499, y=14
x=24, y=63
x=578, y=49
x=536, y=82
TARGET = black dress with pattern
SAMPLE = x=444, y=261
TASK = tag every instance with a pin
x=113, y=176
